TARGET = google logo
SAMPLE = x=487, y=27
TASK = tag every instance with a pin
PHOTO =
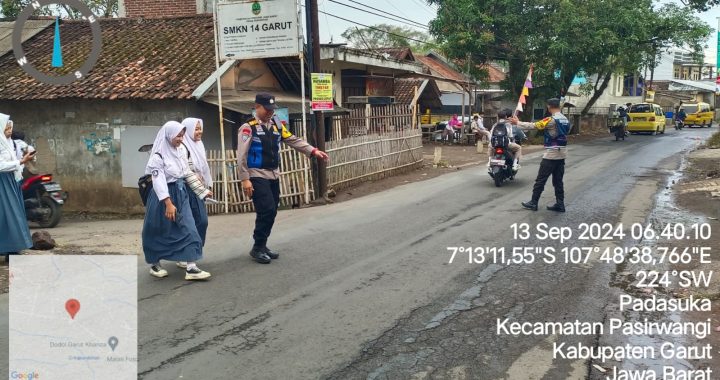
x=24, y=376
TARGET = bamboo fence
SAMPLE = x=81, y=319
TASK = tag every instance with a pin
x=292, y=181
x=370, y=157
x=373, y=119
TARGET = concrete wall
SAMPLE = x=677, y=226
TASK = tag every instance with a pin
x=79, y=142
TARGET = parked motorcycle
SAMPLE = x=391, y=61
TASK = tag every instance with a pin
x=43, y=200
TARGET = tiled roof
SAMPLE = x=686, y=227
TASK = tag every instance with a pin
x=403, y=54
x=141, y=59
x=405, y=91
x=440, y=68
x=494, y=74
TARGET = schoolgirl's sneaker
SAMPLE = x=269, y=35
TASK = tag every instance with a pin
x=158, y=271
x=181, y=264
x=195, y=273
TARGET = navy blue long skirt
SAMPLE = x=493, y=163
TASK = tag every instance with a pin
x=199, y=214
x=13, y=222
x=166, y=240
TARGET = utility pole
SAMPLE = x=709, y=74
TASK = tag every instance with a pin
x=311, y=6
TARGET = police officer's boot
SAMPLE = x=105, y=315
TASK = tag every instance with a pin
x=260, y=256
x=531, y=205
x=559, y=206
x=271, y=254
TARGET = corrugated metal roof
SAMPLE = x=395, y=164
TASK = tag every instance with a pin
x=32, y=27
x=700, y=85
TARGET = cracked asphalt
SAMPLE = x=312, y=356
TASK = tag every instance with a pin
x=363, y=289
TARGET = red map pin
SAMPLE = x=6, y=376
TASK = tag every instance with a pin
x=72, y=306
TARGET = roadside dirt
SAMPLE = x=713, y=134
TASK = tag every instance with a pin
x=699, y=193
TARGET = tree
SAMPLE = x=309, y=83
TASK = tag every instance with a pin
x=701, y=5
x=101, y=8
x=563, y=38
x=387, y=36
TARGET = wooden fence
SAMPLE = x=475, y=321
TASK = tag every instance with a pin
x=295, y=169
x=362, y=158
x=372, y=119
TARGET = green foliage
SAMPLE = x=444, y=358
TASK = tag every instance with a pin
x=101, y=8
x=594, y=37
x=397, y=37
x=701, y=5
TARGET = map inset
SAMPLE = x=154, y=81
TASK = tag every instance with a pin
x=73, y=317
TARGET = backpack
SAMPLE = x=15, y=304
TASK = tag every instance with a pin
x=500, y=138
x=145, y=184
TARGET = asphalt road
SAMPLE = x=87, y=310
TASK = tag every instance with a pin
x=363, y=289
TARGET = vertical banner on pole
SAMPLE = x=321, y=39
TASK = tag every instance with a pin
x=717, y=62
x=322, y=93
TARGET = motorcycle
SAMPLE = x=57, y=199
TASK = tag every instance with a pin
x=679, y=124
x=501, y=162
x=43, y=200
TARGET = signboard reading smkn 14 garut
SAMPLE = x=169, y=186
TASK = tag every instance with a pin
x=258, y=29
x=322, y=93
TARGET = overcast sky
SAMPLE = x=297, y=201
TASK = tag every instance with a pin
x=419, y=11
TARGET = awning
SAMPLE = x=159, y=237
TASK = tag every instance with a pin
x=244, y=101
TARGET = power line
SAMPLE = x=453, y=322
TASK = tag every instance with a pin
x=425, y=7
x=380, y=10
x=380, y=15
x=373, y=28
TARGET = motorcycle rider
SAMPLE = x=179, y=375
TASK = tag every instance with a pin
x=681, y=115
x=555, y=129
x=504, y=122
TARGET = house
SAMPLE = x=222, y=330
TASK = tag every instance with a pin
x=458, y=89
x=615, y=93
x=677, y=63
x=88, y=133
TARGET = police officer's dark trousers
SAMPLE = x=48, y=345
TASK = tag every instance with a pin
x=266, y=197
x=556, y=168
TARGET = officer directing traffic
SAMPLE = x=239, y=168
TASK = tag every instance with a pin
x=555, y=130
x=259, y=161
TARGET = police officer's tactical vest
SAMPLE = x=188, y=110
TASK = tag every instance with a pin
x=265, y=148
x=563, y=128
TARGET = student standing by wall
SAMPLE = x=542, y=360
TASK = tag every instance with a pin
x=13, y=221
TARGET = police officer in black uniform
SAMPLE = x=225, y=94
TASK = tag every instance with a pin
x=259, y=161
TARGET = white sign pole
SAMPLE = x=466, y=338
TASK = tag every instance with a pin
x=302, y=95
x=220, y=109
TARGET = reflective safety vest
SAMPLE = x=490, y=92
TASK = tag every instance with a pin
x=563, y=128
x=265, y=148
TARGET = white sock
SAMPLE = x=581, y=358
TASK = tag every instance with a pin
x=191, y=266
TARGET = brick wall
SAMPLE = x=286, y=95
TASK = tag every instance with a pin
x=159, y=8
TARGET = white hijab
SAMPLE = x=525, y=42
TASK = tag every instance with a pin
x=175, y=163
x=197, y=150
x=6, y=145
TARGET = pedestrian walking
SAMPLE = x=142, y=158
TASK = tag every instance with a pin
x=259, y=162
x=555, y=130
x=169, y=231
x=198, y=165
x=13, y=220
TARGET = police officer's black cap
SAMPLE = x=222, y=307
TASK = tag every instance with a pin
x=553, y=103
x=266, y=100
